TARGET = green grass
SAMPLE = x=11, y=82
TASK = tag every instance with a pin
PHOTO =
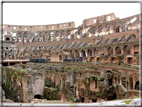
x=128, y=101
x=22, y=70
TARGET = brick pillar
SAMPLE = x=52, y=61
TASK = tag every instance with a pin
x=132, y=50
x=86, y=53
x=114, y=51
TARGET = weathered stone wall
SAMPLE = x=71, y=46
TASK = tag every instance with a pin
x=69, y=82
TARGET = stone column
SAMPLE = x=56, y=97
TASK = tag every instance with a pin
x=86, y=53
x=60, y=35
x=54, y=36
x=113, y=50
x=80, y=54
x=132, y=50
x=48, y=36
x=75, y=54
x=65, y=36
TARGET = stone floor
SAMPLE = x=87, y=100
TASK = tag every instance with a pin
x=43, y=102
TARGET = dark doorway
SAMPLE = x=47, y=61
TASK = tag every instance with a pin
x=114, y=97
x=37, y=96
x=7, y=39
x=92, y=59
x=118, y=29
x=60, y=57
x=137, y=85
x=129, y=60
x=82, y=100
x=94, y=100
x=113, y=60
x=98, y=59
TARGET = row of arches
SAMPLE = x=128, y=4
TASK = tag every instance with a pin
x=110, y=51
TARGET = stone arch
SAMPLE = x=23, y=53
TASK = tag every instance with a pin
x=63, y=34
x=117, y=50
x=107, y=26
x=80, y=31
x=72, y=53
x=69, y=32
x=110, y=51
x=117, y=29
x=83, y=53
x=72, y=36
x=109, y=76
x=77, y=54
x=51, y=37
x=93, y=30
x=114, y=97
x=57, y=36
x=25, y=36
x=7, y=39
x=89, y=52
x=137, y=85
x=126, y=50
x=37, y=96
x=127, y=85
x=100, y=28
x=95, y=51
x=115, y=80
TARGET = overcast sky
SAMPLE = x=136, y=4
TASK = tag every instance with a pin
x=54, y=13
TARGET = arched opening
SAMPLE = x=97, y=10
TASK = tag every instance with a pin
x=126, y=50
x=77, y=53
x=117, y=50
x=83, y=53
x=114, y=97
x=95, y=84
x=5, y=54
x=7, y=39
x=127, y=85
x=115, y=80
x=37, y=96
x=94, y=100
x=95, y=51
x=60, y=57
x=117, y=29
x=72, y=53
x=81, y=99
x=72, y=36
x=110, y=51
x=89, y=52
x=109, y=76
x=131, y=82
x=137, y=87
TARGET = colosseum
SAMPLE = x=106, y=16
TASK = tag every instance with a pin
x=97, y=60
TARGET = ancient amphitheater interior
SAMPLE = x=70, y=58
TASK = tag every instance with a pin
x=98, y=60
